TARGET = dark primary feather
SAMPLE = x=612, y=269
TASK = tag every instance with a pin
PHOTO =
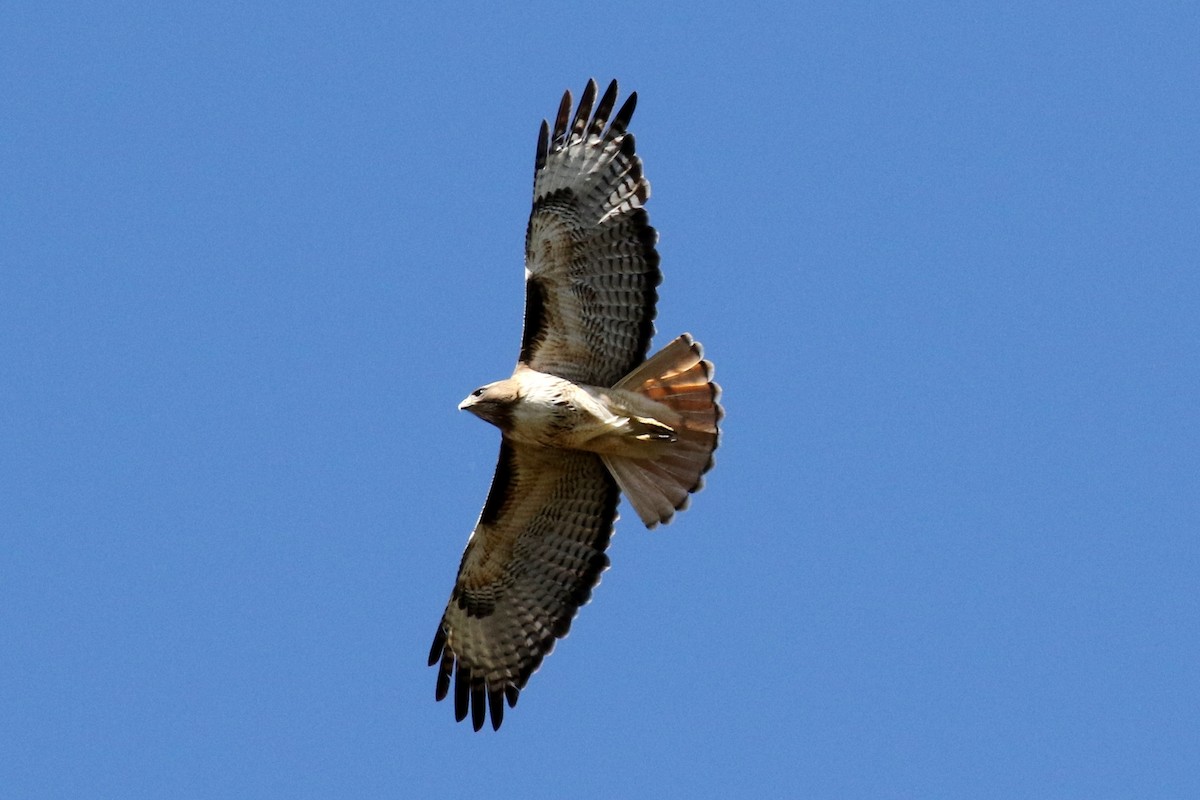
x=585, y=109
x=620, y=122
x=543, y=148
x=604, y=109
x=560, y=122
x=496, y=706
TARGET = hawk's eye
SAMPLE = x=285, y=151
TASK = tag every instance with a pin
x=477, y=393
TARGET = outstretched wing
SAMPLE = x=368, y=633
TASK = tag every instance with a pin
x=532, y=561
x=591, y=266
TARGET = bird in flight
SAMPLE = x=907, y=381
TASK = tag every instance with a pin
x=584, y=417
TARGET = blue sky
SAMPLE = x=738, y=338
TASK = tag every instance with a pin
x=944, y=257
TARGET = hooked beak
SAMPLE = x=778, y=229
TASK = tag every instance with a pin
x=467, y=403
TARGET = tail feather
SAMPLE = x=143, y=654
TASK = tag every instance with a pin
x=679, y=378
x=644, y=489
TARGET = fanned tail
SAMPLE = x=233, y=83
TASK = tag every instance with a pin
x=678, y=377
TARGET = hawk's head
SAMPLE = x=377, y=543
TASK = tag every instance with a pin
x=493, y=402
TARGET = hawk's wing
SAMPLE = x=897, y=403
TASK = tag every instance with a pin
x=532, y=561
x=591, y=266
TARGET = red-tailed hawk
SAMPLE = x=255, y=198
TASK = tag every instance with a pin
x=584, y=416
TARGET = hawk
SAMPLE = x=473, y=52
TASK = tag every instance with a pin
x=584, y=417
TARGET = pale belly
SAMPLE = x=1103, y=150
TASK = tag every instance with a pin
x=560, y=414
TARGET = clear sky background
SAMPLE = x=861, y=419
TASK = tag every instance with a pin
x=943, y=255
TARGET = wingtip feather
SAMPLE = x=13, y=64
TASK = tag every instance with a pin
x=496, y=707
x=584, y=112
x=439, y=644
x=564, y=114
x=603, y=109
x=543, y=147
x=478, y=706
x=620, y=122
x=462, y=693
